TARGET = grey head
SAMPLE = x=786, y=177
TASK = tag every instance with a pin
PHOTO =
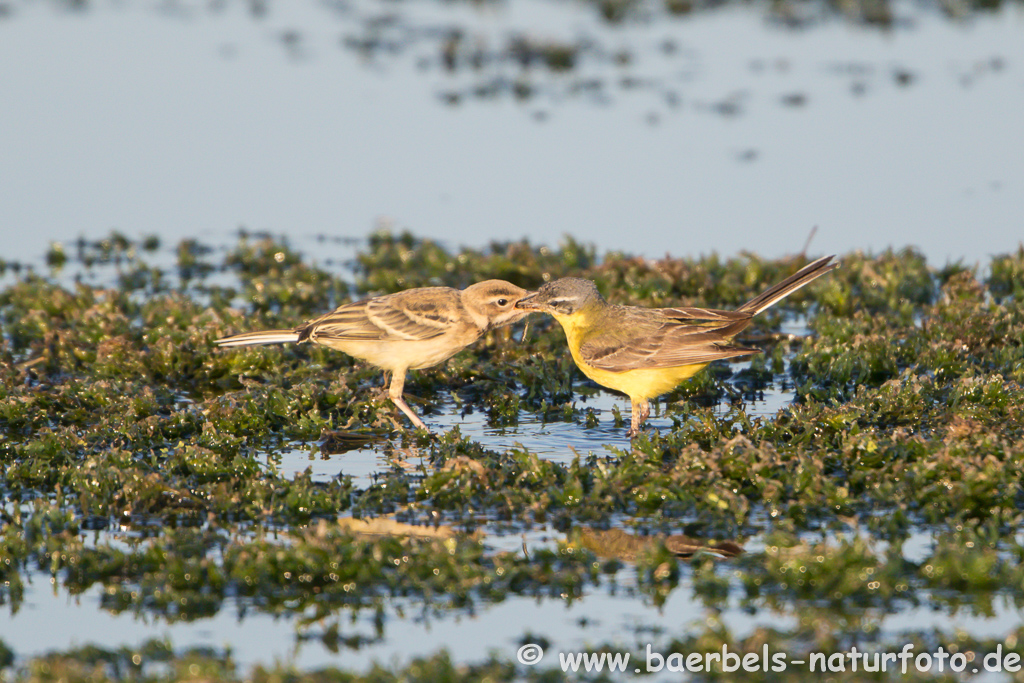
x=562, y=297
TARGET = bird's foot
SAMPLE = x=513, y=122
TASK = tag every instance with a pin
x=413, y=417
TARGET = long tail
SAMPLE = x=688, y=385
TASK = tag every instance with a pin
x=805, y=275
x=257, y=338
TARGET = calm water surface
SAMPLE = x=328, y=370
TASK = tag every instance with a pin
x=720, y=131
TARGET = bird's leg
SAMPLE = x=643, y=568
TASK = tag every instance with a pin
x=395, y=394
x=641, y=410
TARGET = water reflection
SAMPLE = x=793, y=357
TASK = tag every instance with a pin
x=737, y=127
x=679, y=127
x=704, y=598
x=622, y=545
x=363, y=455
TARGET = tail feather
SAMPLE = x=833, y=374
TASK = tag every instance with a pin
x=804, y=276
x=258, y=338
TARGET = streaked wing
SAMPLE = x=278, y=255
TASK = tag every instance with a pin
x=705, y=317
x=417, y=314
x=348, y=322
x=682, y=336
x=414, y=315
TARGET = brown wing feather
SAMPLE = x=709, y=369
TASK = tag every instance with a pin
x=673, y=338
x=418, y=313
x=348, y=322
x=413, y=316
x=710, y=316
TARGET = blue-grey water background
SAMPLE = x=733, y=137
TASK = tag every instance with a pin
x=724, y=130
x=729, y=129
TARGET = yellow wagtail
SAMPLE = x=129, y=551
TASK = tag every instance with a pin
x=645, y=352
x=409, y=330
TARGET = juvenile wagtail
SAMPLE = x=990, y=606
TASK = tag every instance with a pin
x=645, y=352
x=409, y=330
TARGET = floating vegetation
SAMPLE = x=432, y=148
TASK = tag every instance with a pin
x=470, y=59
x=132, y=451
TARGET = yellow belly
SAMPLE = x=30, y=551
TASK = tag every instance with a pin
x=640, y=384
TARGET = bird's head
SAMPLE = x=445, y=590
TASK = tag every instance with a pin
x=562, y=298
x=492, y=303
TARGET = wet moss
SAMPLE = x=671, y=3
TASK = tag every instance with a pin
x=116, y=412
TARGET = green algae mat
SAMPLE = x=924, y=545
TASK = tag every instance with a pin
x=860, y=529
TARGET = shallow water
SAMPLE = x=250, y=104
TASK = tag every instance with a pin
x=557, y=441
x=719, y=131
x=724, y=131
x=613, y=614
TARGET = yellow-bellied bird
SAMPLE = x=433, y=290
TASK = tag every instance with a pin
x=645, y=352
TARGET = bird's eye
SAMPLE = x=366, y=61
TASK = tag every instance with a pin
x=503, y=302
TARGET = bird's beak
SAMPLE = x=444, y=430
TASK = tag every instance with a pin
x=530, y=302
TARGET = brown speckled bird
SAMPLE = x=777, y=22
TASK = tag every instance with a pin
x=409, y=330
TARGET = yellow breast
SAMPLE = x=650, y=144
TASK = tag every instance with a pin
x=643, y=383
